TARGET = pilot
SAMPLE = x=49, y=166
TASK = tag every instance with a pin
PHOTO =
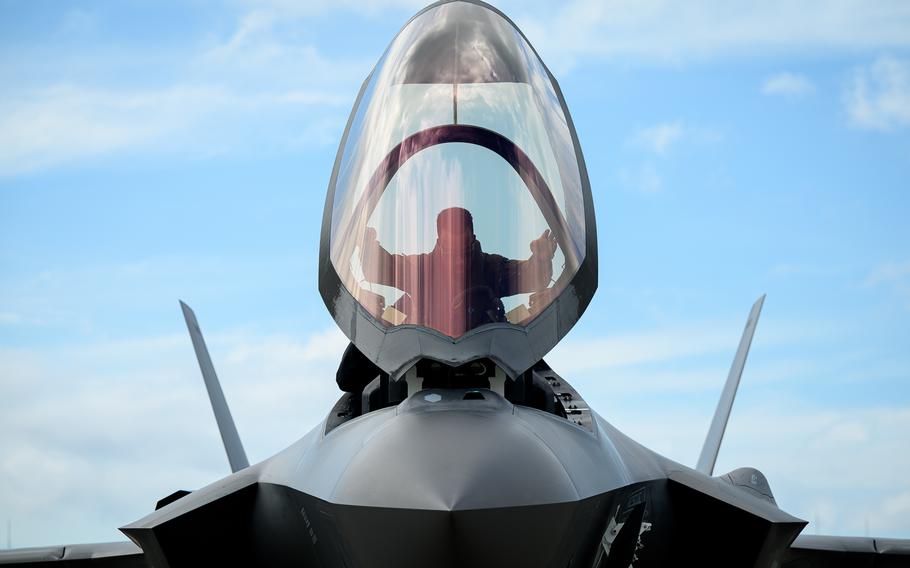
x=456, y=286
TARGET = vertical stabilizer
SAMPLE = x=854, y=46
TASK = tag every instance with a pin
x=722, y=414
x=233, y=447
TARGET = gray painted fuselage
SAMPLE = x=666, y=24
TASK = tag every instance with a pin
x=441, y=480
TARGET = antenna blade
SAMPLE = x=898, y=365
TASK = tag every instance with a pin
x=719, y=424
x=233, y=447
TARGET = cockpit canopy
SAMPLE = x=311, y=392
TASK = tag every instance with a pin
x=459, y=200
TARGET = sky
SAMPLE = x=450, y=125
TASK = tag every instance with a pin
x=156, y=151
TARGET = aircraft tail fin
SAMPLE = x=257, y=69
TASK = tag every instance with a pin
x=232, y=445
x=719, y=424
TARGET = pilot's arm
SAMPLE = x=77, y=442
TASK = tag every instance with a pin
x=531, y=275
x=382, y=267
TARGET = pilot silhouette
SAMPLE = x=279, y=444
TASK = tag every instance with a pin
x=456, y=286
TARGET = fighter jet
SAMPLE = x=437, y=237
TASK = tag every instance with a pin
x=458, y=247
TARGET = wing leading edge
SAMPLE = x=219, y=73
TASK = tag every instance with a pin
x=810, y=551
x=108, y=554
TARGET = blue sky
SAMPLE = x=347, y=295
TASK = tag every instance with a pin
x=151, y=151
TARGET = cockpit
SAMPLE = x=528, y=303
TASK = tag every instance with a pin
x=457, y=195
x=459, y=223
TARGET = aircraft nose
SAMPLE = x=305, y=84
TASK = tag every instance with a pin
x=453, y=450
x=457, y=479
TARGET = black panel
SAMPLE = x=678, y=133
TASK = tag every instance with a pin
x=217, y=533
x=171, y=498
x=355, y=370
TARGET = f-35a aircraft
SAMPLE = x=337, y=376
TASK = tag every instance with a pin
x=458, y=247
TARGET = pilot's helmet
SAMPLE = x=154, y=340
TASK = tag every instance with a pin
x=454, y=229
x=459, y=135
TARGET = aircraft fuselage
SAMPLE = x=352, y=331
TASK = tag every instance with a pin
x=463, y=477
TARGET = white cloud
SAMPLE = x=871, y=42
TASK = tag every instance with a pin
x=898, y=506
x=627, y=31
x=9, y=318
x=79, y=22
x=788, y=85
x=251, y=24
x=660, y=137
x=878, y=97
x=659, y=140
x=814, y=464
x=286, y=351
x=294, y=9
x=66, y=123
x=660, y=31
x=889, y=273
x=93, y=435
x=894, y=276
x=264, y=50
x=232, y=80
x=692, y=357
x=653, y=346
x=828, y=453
x=805, y=270
x=260, y=87
x=643, y=179
x=837, y=465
